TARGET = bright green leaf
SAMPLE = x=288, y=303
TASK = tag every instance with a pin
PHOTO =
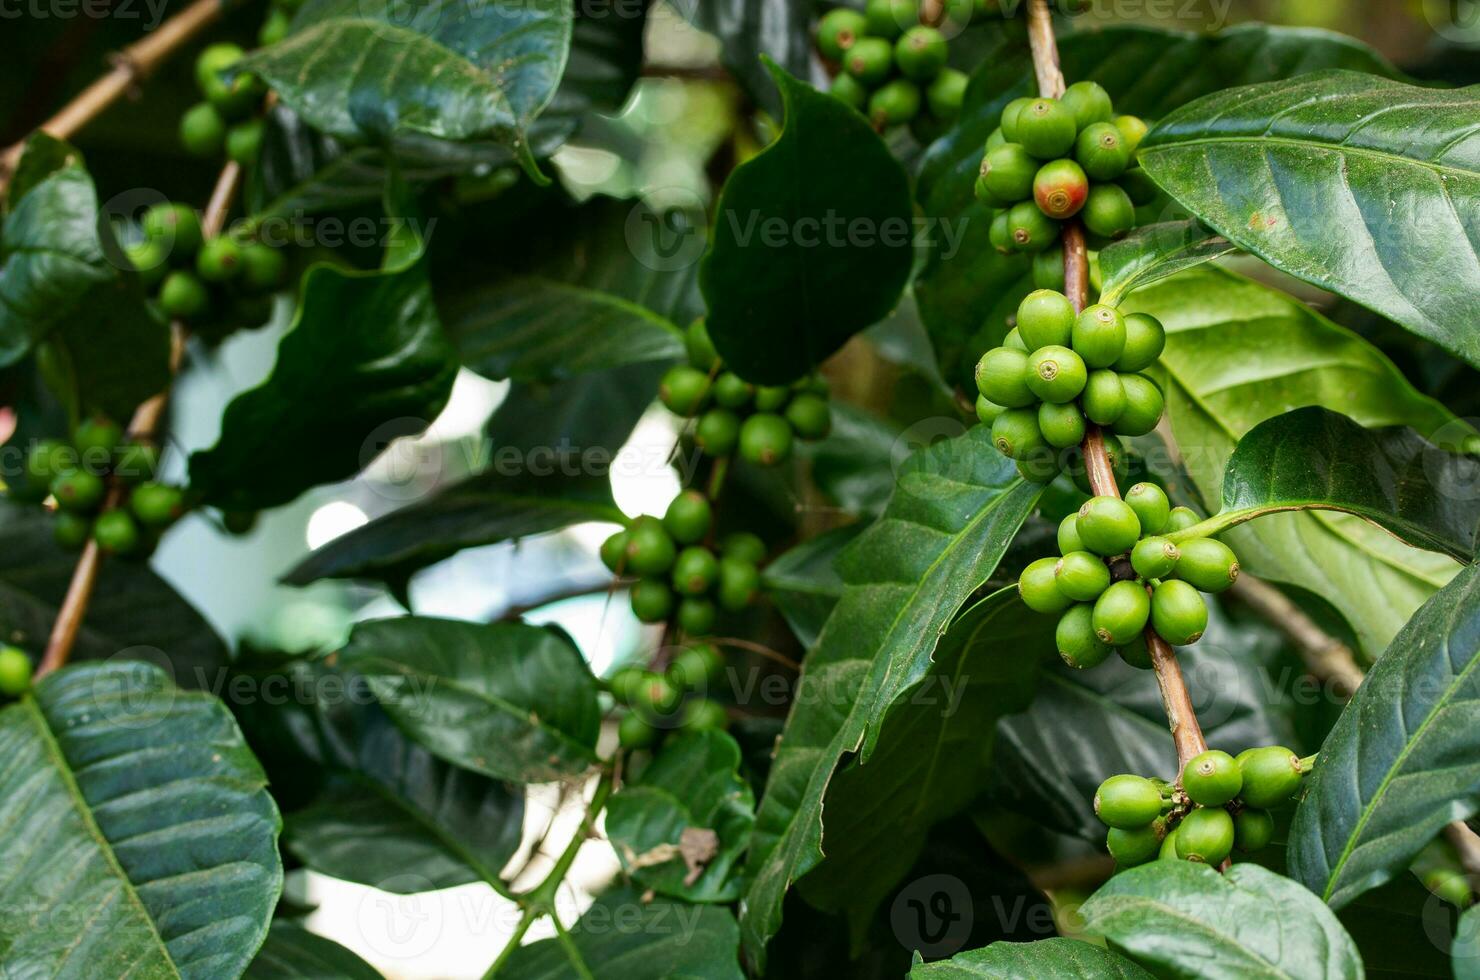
x=1067, y=959
x=1154, y=252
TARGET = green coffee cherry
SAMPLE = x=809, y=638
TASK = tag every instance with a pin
x=1137, y=845
x=695, y=666
x=650, y=550
x=838, y=30
x=116, y=533
x=150, y=260
x=1103, y=398
x=1206, y=563
x=718, y=432
x=78, y=491
x=211, y=62
x=684, y=390
x=1078, y=645
x=1121, y=613
x=1002, y=376
x=1045, y=318
x=183, y=297
x=744, y=547
x=696, y=616
x=1101, y=151
x=1081, y=576
x=1145, y=338
x=633, y=732
x=888, y=18
x=1108, y=211
x=1108, y=526
x=1011, y=113
x=1016, y=435
x=1180, y=519
x=1151, y=505
x=1271, y=775
x=1045, y=128
x=765, y=439
x=614, y=552
x=1089, y=103
x=771, y=398
x=175, y=226
x=652, y=600
x=48, y=459
x=894, y=103
x=1014, y=339
x=850, y=90
x=920, y=53
x=1154, y=557
x=1099, y=335
x=1031, y=230
x=1039, y=588
x=689, y=517
x=732, y=391
x=1060, y=188
x=263, y=267
x=1041, y=465
x=275, y=28
x=70, y=531
x=96, y=439
x=987, y=410
x=15, y=671
x=810, y=416
x=1048, y=269
x=869, y=60
x=1132, y=129
x=1178, y=613
x=1143, y=405
x=244, y=142
x=1127, y=802
x=702, y=714
x=1140, y=188
x=1056, y=374
x=1007, y=171
x=1136, y=654
x=1205, y=835
x=1000, y=231
x=157, y=504
x=202, y=131
x=994, y=140
x=219, y=260
x=1211, y=778
x=695, y=571
x=1252, y=829
x=1062, y=425
x=739, y=581
x=1068, y=536
x=946, y=93
x=624, y=683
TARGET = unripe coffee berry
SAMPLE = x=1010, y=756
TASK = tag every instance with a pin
x=1178, y=613
x=1089, y=103
x=263, y=267
x=1062, y=425
x=850, y=90
x=176, y=226
x=1271, y=775
x=1206, y=563
x=1127, y=801
x=946, y=93
x=1039, y=588
x=1103, y=398
x=1145, y=338
x=78, y=491
x=889, y=18
x=810, y=415
x=156, y=504
x=1136, y=845
x=219, y=260
x=1060, y=188
x=683, y=390
x=1048, y=269
x=1011, y=113
x=1007, y=172
x=1014, y=339
x=1000, y=231
x=1108, y=526
x=650, y=549
x=183, y=297
x=1151, y=505
x=1205, y=835
x=15, y=671
x=1121, y=612
x=988, y=410
x=1211, y=778
x=765, y=439
x=116, y=533
x=837, y=32
x=1136, y=654
x=1056, y=374
x=633, y=732
x=1132, y=129
x=739, y=581
x=1101, y=151
x=1143, y=405
x=70, y=531
x=695, y=571
x=1068, y=536
x=1081, y=576
x=1099, y=335
x=652, y=600
x=614, y=552
x=743, y=546
x=1045, y=318
x=689, y=517
x=1078, y=645
x=869, y=60
x=1180, y=519
x=1030, y=229
x=1046, y=128
x=718, y=432
x=732, y=391
x=202, y=131
x=1015, y=433
x=1154, y=557
x=695, y=666
x=702, y=714
x=771, y=398
x=920, y=53
x=894, y=103
x=1252, y=829
x=244, y=142
x=1108, y=211
x=696, y=616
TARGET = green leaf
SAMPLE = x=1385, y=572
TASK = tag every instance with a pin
x=139, y=803
x=293, y=953
x=1466, y=947
x=1154, y=252
x=42, y=156
x=682, y=824
x=593, y=414
x=134, y=614
x=1239, y=353
x=955, y=509
x=1186, y=920
x=1313, y=458
x=365, y=362
x=507, y=700
x=806, y=253
x=1395, y=768
x=1361, y=185
x=621, y=935
x=752, y=32
x=967, y=289
x=1064, y=958
x=365, y=72
x=804, y=582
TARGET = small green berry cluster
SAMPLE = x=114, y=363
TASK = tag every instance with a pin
x=675, y=694
x=1050, y=160
x=893, y=66
x=680, y=576
x=1058, y=371
x=1118, y=572
x=761, y=422
x=229, y=122
x=76, y=475
x=1222, y=805
x=15, y=672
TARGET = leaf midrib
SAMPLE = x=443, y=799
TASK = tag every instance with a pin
x=1133, y=902
x=1397, y=159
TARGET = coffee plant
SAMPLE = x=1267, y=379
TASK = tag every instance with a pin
x=1063, y=562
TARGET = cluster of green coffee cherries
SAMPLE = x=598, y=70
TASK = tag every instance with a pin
x=673, y=698
x=1050, y=160
x=678, y=575
x=1058, y=371
x=15, y=672
x=760, y=422
x=1222, y=805
x=893, y=66
x=1118, y=572
x=76, y=476
x=229, y=122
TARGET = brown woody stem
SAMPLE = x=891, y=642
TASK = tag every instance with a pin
x=1175, y=699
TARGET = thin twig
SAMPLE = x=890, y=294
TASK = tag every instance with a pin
x=757, y=648
x=130, y=66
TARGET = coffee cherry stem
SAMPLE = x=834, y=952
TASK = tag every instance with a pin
x=1308, y=763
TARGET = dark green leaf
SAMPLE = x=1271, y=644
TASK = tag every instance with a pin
x=1153, y=252
x=1186, y=920
x=1067, y=959
x=855, y=464
x=1396, y=768
x=681, y=825
x=42, y=156
x=591, y=416
x=1466, y=949
x=507, y=700
x=621, y=935
x=293, y=953
x=747, y=29
x=804, y=583
x=806, y=253
x=955, y=509
x=138, y=807
x=1362, y=185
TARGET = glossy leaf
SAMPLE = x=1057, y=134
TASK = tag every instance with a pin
x=41, y=156
x=1361, y=185
x=805, y=253
x=1239, y=353
x=681, y=825
x=141, y=804
x=748, y=29
x=804, y=583
x=1068, y=959
x=1154, y=252
x=967, y=289
x=621, y=935
x=955, y=509
x=293, y=953
x=507, y=700
x=1397, y=766
x=591, y=416
x=1181, y=919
